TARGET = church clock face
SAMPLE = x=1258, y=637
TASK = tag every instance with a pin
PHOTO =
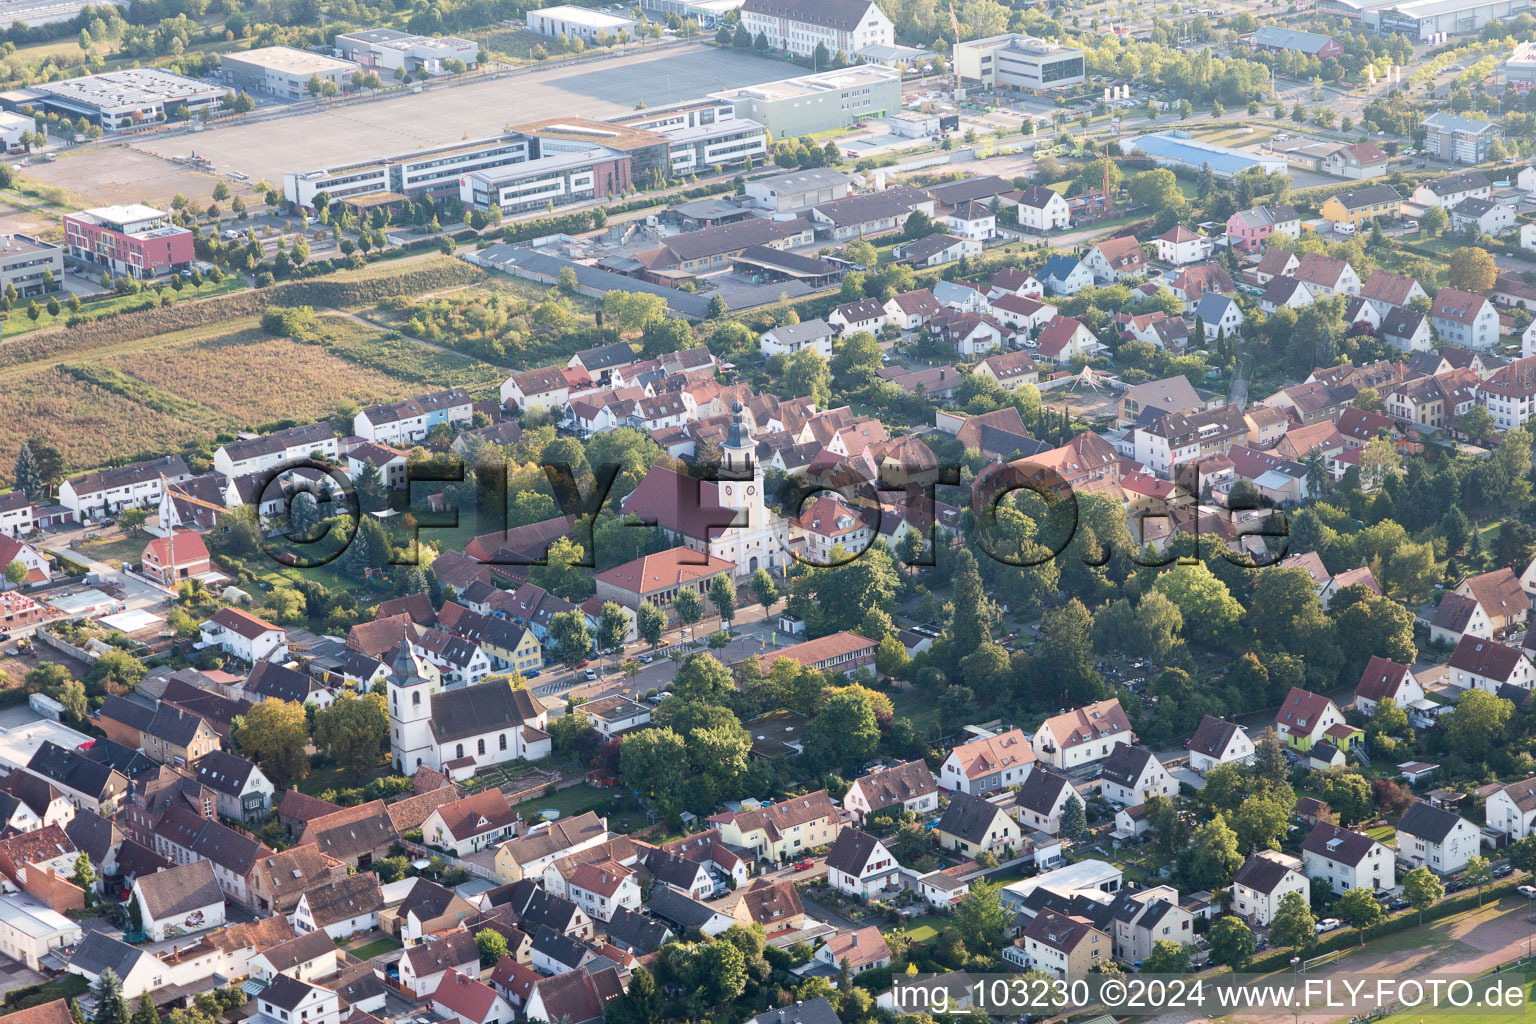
x=751, y=491
x=727, y=491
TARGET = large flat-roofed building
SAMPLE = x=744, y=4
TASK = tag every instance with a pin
x=799, y=190
x=1520, y=65
x=799, y=26
x=702, y=135
x=817, y=103
x=132, y=241
x=1459, y=139
x=283, y=71
x=561, y=178
x=387, y=50
x=1018, y=62
x=26, y=262
x=434, y=172
x=1420, y=20
x=708, y=13
x=119, y=99
x=1177, y=149
x=582, y=23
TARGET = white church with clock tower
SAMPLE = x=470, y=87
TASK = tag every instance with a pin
x=760, y=538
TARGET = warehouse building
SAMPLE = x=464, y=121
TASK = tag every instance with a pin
x=818, y=103
x=794, y=191
x=119, y=99
x=1176, y=149
x=1421, y=20
x=708, y=13
x=26, y=263
x=582, y=23
x=1014, y=61
x=282, y=71
x=386, y=51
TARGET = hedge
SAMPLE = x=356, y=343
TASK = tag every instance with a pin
x=66, y=986
x=1347, y=938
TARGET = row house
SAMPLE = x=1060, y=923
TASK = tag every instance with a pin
x=277, y=449
x=108, y=491
x=1248, y=229
x=412, y=419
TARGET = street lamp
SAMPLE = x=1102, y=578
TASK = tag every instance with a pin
x=1295, y=1005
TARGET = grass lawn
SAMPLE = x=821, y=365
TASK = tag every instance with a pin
x=19, y=323
x=925, y=928
x=373, y=949
x=115, y=551
x=1384, y=834
x=1461, y=1017
x=575, y=800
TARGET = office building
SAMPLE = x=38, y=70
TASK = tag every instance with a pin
x=131, y=241
x=283, y=71
x=119, y=99
x=799, y=26
x=26, y=262
x=1459, y=139
x=386, y=50
x=1013, y=61
x=817, y=103
x=1422, y=20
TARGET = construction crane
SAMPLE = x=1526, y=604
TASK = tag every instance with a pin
x=1109, y=195
x=954, y=23
x=168, y=492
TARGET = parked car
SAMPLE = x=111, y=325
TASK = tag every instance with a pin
x=804, y=865
x=590, y=673
x=1398, y=904
x=1528, y=891
x=1327, y=924
x=1502, y=871
x=645, y=659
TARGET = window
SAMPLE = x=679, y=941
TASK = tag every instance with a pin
x=460, y=752
x=503, y=741
x=481, y=747
x=415, y=700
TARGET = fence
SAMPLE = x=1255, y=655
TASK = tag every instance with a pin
x=478, y=870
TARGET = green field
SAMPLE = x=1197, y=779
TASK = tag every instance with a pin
x=373, y=949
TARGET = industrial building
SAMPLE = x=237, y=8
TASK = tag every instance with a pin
x=13, y=127
x=799, y=26
x=1176, y=149
x=26, y=262
x=582, y=23
x=118, y=99
x=130, y=241
x=1013, y=61
x=794, y=191
x=1521, y=65
x=1422, y=20
x=283, y=71
x=708, y=13
x=818, y=103
x=703, y=135
x=560, y=178
x=386, y=50
x=1312, y=44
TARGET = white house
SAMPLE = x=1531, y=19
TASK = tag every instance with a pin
x=972, y=220
x=1483, y=215
x=989, y=763
x=1263, y=881
x=290, y=1001
x=271, y=451
x=472, y=824
x=1344, y=860
x=245, y=636
x=1179, y=245
x=1512, y=809
x=1134, y=774
x=972, y=826
x=1066, y=275
x=1039, y=802
x=1384, y=679
x=1433, y=837
x=1488, y=665
x=1040, y=209
x=412, y=419
x=791, y=338
x=908, y=786
x=107, y=491
x=866, y=314
x=1089, y=733
x=1219, y=314
x=1464, y=319
x=1218, y=741
x=423, y=965
x=180, y=900
x=601, y=888
x=860, y=865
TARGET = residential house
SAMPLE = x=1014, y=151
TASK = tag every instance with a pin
x=1483, y=216
x=1488, y=665
x=1328, y=274
x=1133, y=774
x=1116, y=259
x=1465, y=319
x=1432, y=837
x=1062, y=947
x=1447, y=191
x=1066, y=275
x=244, y=792
x=1384, y=679
x=1089, y=733
x=1304, y=718
x=1064, y=339
x=936, y=250
x=1501, y=597
x=780, y=830
x=1218, y=741
x=1179, y=245
x=179, y=901
x=423, y=965
x=988, y=763
x=862, y=949
x=1387, y=291
x=341, y=908
x=1039, y=209
x=1042, y=798
x=1362, y=205
x=1263, y=881
x=972, y=825
x=1512, y=809
x=909, y=786
x=1344, y=860
x=245, y=636
x=1247, y=229
x=472, y=824
x=463, y=1000
x=860, y=865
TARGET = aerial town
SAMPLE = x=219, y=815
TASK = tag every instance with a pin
x=711, y=510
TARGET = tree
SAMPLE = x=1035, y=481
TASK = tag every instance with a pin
x=844, y=732
x=1360, y=908
x=1471, y=270
x=1477, y=724
x=85, y=875
x=76, y=703
x=650, y=622
x=1349, y=795
x=16, y=573
x=808, y=375
x=654, y=764
x=492, y=945
x=703, y=678
x=1478, y=872
x=688, y=607
x=1434, y=221
x=1074, y=820
x=146, y=1012
x=981, y=917
x=1210, y=611
x=1157, y=190
x=355, y=729
x=1232, y=942
x=1211, y=858
x=612, y=626
x=1293, y=923
x=27, y=477
x=572, y=639
x=275, y=733
x=765, y=588
x=722, y=594
x=111, y=1007
x=1167, y=957
x=1421, y=888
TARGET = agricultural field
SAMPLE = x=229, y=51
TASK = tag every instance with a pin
x=153, y=395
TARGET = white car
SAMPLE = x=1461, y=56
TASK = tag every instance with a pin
x=590, y=673
x=1528, y=891
x=1327, y=924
